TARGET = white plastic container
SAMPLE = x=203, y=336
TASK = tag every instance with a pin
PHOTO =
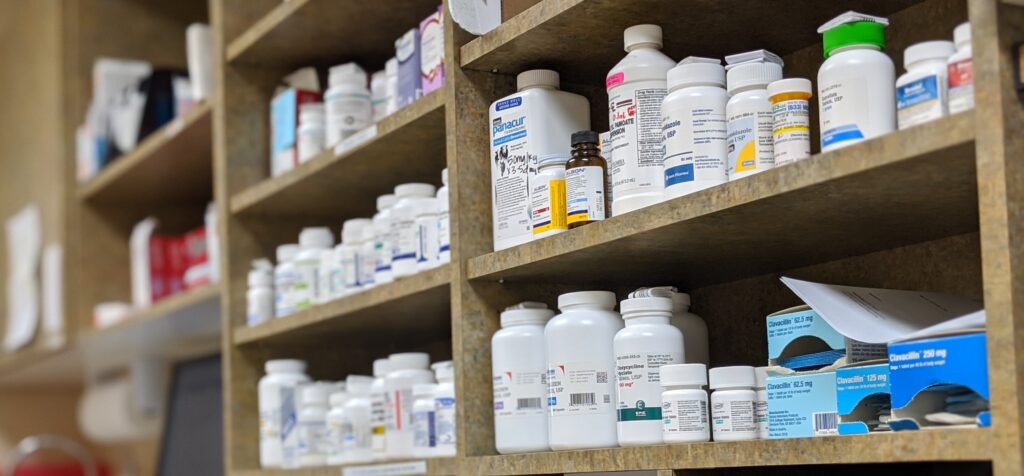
x=427, y=229
x=383, y=239
x=961, y=71
x=314, y=242
x=646, y=343
x=260, y=296
x=347, y=102
x=535, y=121
x=444, y=223
x=366, y=263
x=921, y=91
x=311, y=130
x=749, y=112
x=581, y=371
x=856, y=98
x=732, y=403
x=636, y=87
x=406, y=369
x=791, y=119
x=547, y=196
x=356, y=420
x=694, y=329
x=326, y=288
x=518, y=367
x=424, y=439
x=285, y=277
x=347, y=254
x=379, y=411
x=684, y=403
x=694, y=127
x=311, y=426
x=761, y=406
x=444, y=408
x=403, y=215
x=334, y=439
x=391, y=86
x=379, y=94
x=277, y=406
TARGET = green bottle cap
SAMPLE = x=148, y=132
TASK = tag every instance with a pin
x=857, y=33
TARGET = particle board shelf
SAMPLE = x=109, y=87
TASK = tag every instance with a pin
x=40, y=366
x=170, y=166
x=417, y=306
x=299, y=33
x=435, y=466
x=409, y=147
x=899, y=447
x=536, y=37
x=906, y=187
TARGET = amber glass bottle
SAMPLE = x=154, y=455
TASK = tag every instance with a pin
x=586, y=176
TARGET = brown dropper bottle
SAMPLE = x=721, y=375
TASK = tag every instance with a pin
x=590, y=185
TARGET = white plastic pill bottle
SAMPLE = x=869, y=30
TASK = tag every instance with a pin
x=379, y=411
x=636, y=87
x=444, y=223
x=277, y=408
x=337, y=426
x=749, y=112
x=856, y=98
x=407, y=237
x=791, y=119
x=314, y=243
x=406, y=369
x=284, y=280
x=444, y=408
x=366, y=262
x=311, y=130
x=547, y=196
x=684, y=403
x=356, y=420
x=537, y=120
x=346, y=281
x=383, y=239
x=921, y=91
x=424, y=441
x=695, y=330
x=761, y=406
x=260, y=295
x=581, y=371
x=519, y=368
x=347, y=101
x=429, y=244
x=312, y=425
x=961, y=71
x=694, y=128
x=732, y=403
x=641, y=348
x=329, y=268
x=379, y=94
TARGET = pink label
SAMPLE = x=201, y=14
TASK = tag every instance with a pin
x=614, y=80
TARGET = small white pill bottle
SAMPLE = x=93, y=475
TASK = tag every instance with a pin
x=519, y=368
x=260, y=296
x=316, y=242
x=444, y=408
x=749, y=112
x=791, y=119
x=337, y=428
x=311, y=130
x=357, y=420
x=284, y=280
x=312, y=425
x=961, y=71
x=761, y=406
x=684, y=403
x=277, y=408
x=921, y=91
x=547, y=196
x=427, y=228
x=694, y=127
x=346, y=281
x=406, y=232
x=444, y=223
x=732, y=403
x=383, y=239
x=424, y=442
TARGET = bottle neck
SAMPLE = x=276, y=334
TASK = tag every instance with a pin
x=643, y=46
x=647, y=318
x=854, y=47
x=684, y=387
x=586, y=306
x=927, y=64
x=538, y=86
x=585, y=149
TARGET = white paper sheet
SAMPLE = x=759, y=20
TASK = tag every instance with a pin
x=974, y=320
x=880, y=315
x=53, y=295
x=24, y=240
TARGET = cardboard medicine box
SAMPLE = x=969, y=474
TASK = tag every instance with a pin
x=862, y=391
x=800, y=330
x=801, y=404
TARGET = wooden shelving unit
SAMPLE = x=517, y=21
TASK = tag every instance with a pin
x=932, y=207
x=434, y=466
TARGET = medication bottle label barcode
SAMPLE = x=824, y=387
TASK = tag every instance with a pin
x=519, y=393
x=528, y=403
x=577, y=399
x=579, y=388
x=826, y=423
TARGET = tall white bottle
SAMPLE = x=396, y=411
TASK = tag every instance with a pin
x=519, y=366
x=406, y=369
x=636, y=87
x=694, y=127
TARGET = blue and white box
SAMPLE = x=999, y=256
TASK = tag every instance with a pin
x=800, y=331
x=407, y=50
x=862, y=396
x=801, y=404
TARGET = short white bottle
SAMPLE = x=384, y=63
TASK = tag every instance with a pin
x=357, y=429
x=391, y=85
x=312, y=425
x=423, y=413
x=694, y=127
x=732, y=403
x=276, y=401
x=548, y=196
x=310, y=133
x=260, y=296
x=695, y=330
x=921, y=91
x=403, y=215
x=749, y=116
x=366, y=264
x=519, y=367
x=347, y=102
x=961, y=71
x=379, y=411
x=334, y=438
x=444, y=408
x=314, y=242
x=348, y=254
x=684, y=403
x=581, y=371
x=326, y=289
x=406, y=369
x=444, y=224
x=761, y=406
x=791, y=119
x=284, y=280
x=427, y=229
x=379, y=94
x=646, y=343
x=383, y=239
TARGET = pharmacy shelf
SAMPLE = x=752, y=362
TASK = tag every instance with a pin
x=536, y=37
x=171, y=165
x=300, y=33
x=903, y=447
x=906, y=187
x=417, y=306
x=58, y=366
x=409, y=147
x=435, y=466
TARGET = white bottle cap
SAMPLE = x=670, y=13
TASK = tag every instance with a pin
x=927, y=50
x=424, y=389
x=550, y=160
x=602, y=299
x=381, y=367
x=285, y=366
x=316, y=237
x=444, y=176
x=338, y=399
x=526, y=313
x=790, y=85
x=262, y=273
x=386, y=201
x=752, y=74
x=730, y=377
x=684, y=374
x=352, y=229
x=641, y=35
x=358, y=385
x=425, y=206
x=408, y=361
x=756, y=56
x=537, y=78
x=696, y=71
x=314, y=393
x=760, y=377
x=444, y=371
x=851, y=17
x=286, y=253
x=407, y=190
x=962, y=35
x=348, y=73
x=636, y=307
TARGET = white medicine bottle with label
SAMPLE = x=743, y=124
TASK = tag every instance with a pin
x=315, y=243
x=406, y=370
x=260, y=296
x=311, y=130
x=444, y=224
x=284, y=280
x=424, y=443
x=761, y=406
x=347, y=101
x=684, y=403
x=856, y=98
x=444, y=408
x=383, y=239
x=547, y=196
x=379, y=409
x=961, y=71
x=407, y=236
x=646, y=343
x=334, y=439
x=694, y=128
x=346, y=280
x=732, y=403
x=749, y=112
x=581, y=371
x=427, y=228
x=921, y=92
x=519, y=368
x=695, y=330
x=356, y=418
x=277, y=408
x=636, y=87
x=586, y=177
x=312, y=425
x=535, y=121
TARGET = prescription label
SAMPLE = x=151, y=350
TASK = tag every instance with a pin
x=585, y=194
x=547, y=205
x=961, y=86
x=695, y=140
x=736, y=416
x=685, y=416
x=520, y=393
x=840, y=111
x=638, y=379
x=579, y=388
x=918, y=101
